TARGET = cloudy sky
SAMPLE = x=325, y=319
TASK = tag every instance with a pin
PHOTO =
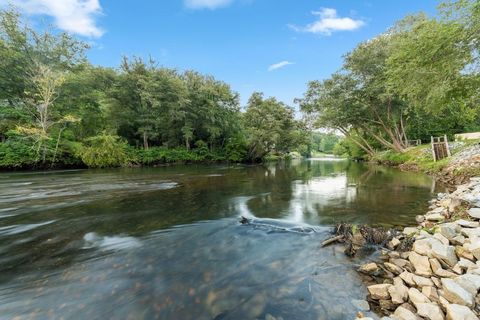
x=255, y=45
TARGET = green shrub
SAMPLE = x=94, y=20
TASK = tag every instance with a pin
x=104, y=151
x=17, y=153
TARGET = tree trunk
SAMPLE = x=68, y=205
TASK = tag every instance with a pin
x=145, y=141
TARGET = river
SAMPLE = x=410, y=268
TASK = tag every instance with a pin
x=165, y=243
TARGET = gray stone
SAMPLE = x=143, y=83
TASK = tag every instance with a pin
x=422, y=281
x=445, y=253
x=468, y=224
x=398, y=292
x=379, y=291
x=420, y=263
x=455, y=293
x=410, y=230
x=469, y=282
x=441, y=238
x=393, y=268
x=404, y=314
x=430, y=311
x=458, y=312
x=474, y=213
x=417, y=297
x=448, y=231
x=361, y=305
x=435, y=217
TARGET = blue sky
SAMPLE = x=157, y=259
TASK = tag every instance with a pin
x=273, y=46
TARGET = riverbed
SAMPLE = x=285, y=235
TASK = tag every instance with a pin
x=165, y=243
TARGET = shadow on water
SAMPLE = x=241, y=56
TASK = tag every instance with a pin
x=166, y=243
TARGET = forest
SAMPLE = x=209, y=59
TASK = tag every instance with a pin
x=58, y=110
x=418, y=79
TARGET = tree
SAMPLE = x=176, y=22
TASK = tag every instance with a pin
x=270, y=126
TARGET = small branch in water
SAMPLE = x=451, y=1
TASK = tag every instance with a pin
x=332, y=240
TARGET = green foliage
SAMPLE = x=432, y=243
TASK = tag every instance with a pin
x=271, y=127
x=104, y=151
x=17, y=153
x=416, y=80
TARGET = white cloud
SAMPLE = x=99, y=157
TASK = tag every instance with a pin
x=279, y=65
x=206, y=4
x=75, y=16
x=329, y=22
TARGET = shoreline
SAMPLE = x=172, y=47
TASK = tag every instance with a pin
x=438, y=277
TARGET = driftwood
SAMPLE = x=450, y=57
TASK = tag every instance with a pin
x=332, y=240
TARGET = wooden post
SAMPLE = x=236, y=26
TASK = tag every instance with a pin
x=433, y=150
x=447, y=146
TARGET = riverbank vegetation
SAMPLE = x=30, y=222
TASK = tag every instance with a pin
x=418, y=79
x=59, y=110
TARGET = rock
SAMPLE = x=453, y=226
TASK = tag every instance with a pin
x=398, y=292
x=474, y=213
x=407, y=277
x=393, y=268
x=430, y=311
x=430, y=292
x=420, y=263
x=369, y=268
x=361, y=305
x=471, y=232
x=455, y=293
x=404, y=314
x=410, y=230
x=458, y=240
x=468, y=224
x=443, y=303
x=458, y=312
x=379, y=291
x=419, y=218
x=436, y=281
x=386, y=305
x=464, y=253
x=454, y=204
x=445, y=253
x=417, y=297
x=435, y=217
x=448, y=231
x=466, y=264
x=422, y=281
x=469, y=282
x=394, y=243
x=474, y=248
x=423, y=246
x=402, y=263
x=441, y=238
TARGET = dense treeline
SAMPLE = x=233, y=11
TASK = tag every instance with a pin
x=418, y=79
x=57, y=110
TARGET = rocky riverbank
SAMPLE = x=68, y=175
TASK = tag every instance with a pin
x=437, y=275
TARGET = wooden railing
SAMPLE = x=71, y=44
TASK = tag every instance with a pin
x=440, y=148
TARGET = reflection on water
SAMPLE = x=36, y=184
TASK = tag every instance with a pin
x=165, y=242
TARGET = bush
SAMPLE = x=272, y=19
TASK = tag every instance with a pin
x=104, y=151
x=16, y=153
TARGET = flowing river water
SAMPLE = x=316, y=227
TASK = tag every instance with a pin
x=165, y=243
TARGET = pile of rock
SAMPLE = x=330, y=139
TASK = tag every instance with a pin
x=440, y=276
